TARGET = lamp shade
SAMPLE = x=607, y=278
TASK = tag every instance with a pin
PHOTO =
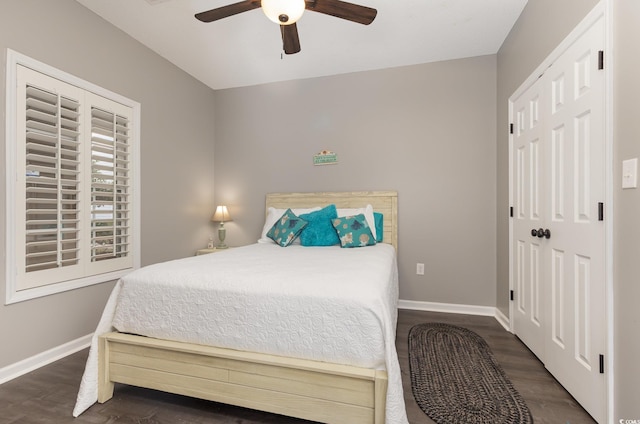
x=283, y=12
x=221, y=214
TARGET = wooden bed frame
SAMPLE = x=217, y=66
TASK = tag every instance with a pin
x=312, y=390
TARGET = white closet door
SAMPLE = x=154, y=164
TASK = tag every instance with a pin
x=558, y=180
x=529, y=180
x=576, y=249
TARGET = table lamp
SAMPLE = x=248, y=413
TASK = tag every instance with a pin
x=221, y=215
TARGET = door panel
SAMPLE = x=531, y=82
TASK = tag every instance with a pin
x=558, y=187
x=558, y=304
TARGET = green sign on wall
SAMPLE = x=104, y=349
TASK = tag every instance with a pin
x=325, y=157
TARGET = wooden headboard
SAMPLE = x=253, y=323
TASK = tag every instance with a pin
x=385, y=202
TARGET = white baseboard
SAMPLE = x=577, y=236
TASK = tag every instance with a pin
x=41, y=359
x=503, y=320
x=452, y=308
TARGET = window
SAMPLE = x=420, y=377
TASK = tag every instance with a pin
x=72, y=161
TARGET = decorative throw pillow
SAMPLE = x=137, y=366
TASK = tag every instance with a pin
x=354, y=231
x=274, y=215
x=320, y=231
x=286, y=229
x=368, y=213
x=379, y=219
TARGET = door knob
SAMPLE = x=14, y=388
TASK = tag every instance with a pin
x=540, y=232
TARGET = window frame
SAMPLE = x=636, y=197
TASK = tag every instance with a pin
x=13, y=295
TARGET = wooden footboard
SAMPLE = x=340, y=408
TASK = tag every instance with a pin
x=311, y=390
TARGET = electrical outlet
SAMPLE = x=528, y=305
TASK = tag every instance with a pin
x=419, y=269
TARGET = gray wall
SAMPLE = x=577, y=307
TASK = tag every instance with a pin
x=427, y=131
x=176, y=149
x=626, y=209
x=523, y=50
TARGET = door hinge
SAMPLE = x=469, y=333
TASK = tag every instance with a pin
x=510, y=128
x=511, y=211
x=601, y=364
x=510, y=294
x=601, y=60
x=600, y=211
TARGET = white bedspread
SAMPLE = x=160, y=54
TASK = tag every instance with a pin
x=321, y=303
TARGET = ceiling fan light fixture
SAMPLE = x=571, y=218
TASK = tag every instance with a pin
x=283, y=12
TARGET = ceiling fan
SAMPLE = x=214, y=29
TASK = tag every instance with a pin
x=287, y=12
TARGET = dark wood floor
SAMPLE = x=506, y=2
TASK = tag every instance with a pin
x=48, y=394
x=548, y=401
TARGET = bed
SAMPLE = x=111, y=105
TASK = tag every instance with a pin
x=331, y=357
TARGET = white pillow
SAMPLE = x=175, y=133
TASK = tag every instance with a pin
x=368, y=214
x=274, y=214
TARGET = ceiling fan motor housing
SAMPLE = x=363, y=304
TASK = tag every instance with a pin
x=283, y=12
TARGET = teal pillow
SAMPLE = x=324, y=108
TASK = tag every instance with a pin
x=286, y=229
x=320, y=231
x=379, y=223
x=353, y=231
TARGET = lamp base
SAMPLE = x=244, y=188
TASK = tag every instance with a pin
x=222, y=233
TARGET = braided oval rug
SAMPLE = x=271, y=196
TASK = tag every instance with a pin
x=455, y=378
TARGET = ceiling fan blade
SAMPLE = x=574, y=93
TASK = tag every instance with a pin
x=290, y=40
x=226, y=11
x=341, y=9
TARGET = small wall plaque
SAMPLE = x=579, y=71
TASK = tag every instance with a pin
x=325, y=157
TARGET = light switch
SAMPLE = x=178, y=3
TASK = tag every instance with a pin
x=630, y=173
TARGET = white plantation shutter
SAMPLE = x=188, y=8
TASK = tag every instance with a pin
x=110, y=184
x=49, y=171
x=73, y=189
x=52, y=183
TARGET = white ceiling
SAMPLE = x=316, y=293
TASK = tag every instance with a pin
x=246, y=49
